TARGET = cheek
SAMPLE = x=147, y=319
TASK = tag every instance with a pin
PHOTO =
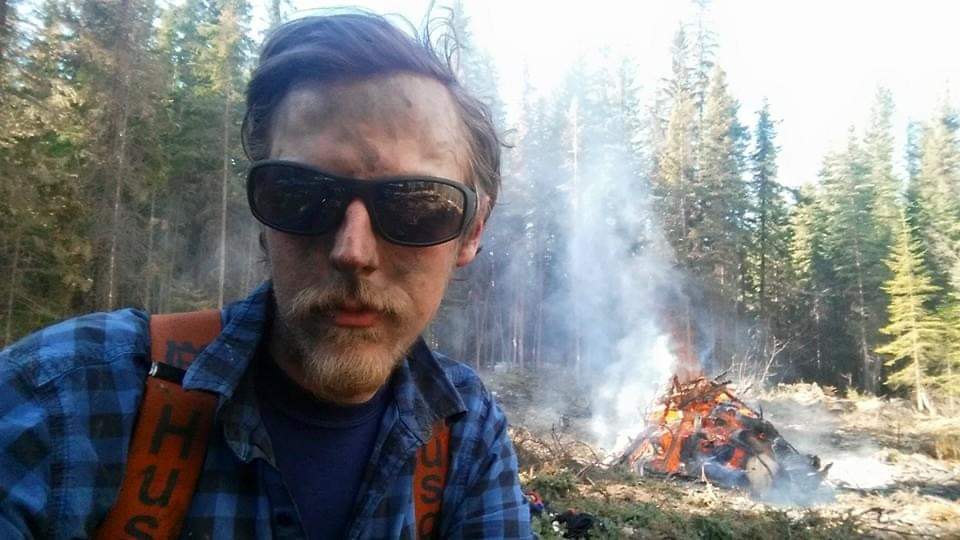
x=292, y=256
x=425, y=274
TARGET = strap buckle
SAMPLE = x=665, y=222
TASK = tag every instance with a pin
x=166, y=372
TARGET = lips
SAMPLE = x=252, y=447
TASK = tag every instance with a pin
x=350, y=315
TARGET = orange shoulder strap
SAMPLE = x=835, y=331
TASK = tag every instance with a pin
x=170, y=437
x=429, y=480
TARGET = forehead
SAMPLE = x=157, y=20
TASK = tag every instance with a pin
x=386, y=125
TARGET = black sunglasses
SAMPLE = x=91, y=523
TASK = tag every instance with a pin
x=405, y=210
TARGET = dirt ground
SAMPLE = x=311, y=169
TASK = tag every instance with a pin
x=895, y=473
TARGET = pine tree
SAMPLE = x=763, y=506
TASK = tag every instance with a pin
x=916, y=334
x=676, y=160
x=948, y=378
x=935, y=200
x=703, y=52
x=722, y=193
x=224, y=65
x=42, y=216
x=805, y=292
x=187, y=191
x=118, y=78
x=198, y=239
x=878, y=149
x=722, y=236
x=769, y=214
x=838, y=355
x=769, y=256
x=475, y=67
x=855, y=248
x=912, y=150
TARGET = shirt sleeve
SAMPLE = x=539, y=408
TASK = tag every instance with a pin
x=494, y=505
x=25, y=456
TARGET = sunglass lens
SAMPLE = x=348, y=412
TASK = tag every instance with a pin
x=295, y=200
x=419, y=211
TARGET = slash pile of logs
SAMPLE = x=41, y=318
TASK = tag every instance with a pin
x=701, y=429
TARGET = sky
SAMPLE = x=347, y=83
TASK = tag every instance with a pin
x=817, y=62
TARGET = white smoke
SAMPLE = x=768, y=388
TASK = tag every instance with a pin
x=625, y=398
x=619, y=275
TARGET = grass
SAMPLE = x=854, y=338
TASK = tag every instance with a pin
x=617, y=517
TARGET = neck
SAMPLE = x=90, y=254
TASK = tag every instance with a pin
x=291, y=360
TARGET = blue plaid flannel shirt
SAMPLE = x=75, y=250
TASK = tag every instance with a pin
x=69, y=396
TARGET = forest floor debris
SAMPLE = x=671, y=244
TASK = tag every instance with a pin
x=896, y=472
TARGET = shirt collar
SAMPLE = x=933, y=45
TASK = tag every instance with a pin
x=424, y=392
x=220, y=366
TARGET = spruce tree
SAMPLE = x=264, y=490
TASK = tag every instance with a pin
x=188, y=193
x=676, y=160
x=878, y=149
x=722, y=193
x=718, y=252
x=118, y=77
x=913, y=151
x=224, y=64
x=805, y=293
x=935, y=200
x=769, y=213
x=44, y=249
x=948, y=378
x=856, y=250
x=915, y=347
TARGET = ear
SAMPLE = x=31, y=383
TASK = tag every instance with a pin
x=470, y=244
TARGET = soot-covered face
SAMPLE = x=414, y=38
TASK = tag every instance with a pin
x=349, y=303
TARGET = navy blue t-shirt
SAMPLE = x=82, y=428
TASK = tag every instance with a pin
x=321, y=449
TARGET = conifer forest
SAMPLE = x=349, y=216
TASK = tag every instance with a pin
x=122, y=184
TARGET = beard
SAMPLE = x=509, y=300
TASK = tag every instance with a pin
x=339, y=364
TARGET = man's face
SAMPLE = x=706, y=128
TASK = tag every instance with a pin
x=349, y=303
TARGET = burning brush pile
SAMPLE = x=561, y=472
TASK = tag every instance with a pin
x=702, y=430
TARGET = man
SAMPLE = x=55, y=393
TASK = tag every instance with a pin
x=373, y=174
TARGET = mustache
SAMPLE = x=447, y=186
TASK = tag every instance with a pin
x=341, y=290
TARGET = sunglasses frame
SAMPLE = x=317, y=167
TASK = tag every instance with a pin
x=365, y=190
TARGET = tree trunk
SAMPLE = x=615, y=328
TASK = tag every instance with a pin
x=483, y=311
x=173, y=253
x=3, y=31
x=519, y=327
x=114, y=234
x=869, y=372
x=577, y=216
x=538, y=330
x=122, y=95
x=477, y=315
x=817, y=335
x=163, y=285
x=12, y=288
x=148, y=270
x=762, y=301
x=923, y=400
x=224, y=183
x=252, y=258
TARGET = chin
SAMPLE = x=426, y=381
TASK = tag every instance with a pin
x=350, y=365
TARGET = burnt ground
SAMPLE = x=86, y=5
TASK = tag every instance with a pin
x=895, y=474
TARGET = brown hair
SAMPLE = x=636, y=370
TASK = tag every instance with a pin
x=359, y=45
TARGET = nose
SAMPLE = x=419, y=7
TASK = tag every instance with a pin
x=355, y=244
